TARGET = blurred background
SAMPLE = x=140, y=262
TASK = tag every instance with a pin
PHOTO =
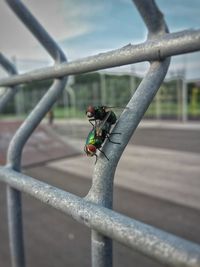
x=158, y=177
x=177, y=99
x=87, y=28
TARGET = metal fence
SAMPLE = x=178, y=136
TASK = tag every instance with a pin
x=95, y=210
x=172, y=102
x=175, y=100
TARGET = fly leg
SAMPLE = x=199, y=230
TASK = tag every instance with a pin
x=112, y=141
x=96, y=158
x=114, y=133
x=93, y=125
x=108, y=136
x=103, y=154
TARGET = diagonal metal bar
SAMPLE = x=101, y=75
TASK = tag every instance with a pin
x=150, y=241
x=24, y=132
x=153, y=49
x=152, y=17
x=10, y=92
x=101, y=191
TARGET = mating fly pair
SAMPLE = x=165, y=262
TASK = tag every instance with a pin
x=102, y=118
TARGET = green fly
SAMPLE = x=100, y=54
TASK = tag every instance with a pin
x=99, y=133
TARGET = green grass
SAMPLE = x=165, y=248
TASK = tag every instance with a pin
x=172, y=109
x=166, y=109
x=13, y=116
x=62, y=113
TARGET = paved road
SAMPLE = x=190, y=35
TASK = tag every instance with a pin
x=167, y=135
x=175, y=139
x=167, y=174
x=44, y=145
x=53, y=239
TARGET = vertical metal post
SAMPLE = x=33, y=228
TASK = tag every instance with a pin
x=102, y=254
x=15, y=225
x=101, y=191
x=24, y=132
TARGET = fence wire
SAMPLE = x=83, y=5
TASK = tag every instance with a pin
x=95, y=210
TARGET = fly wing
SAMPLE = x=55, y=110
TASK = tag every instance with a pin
x=102, y=123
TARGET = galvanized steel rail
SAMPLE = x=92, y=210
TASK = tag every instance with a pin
x=154, y=49
x=95, y=210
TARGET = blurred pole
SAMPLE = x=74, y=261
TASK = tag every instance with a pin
x=19, y=102
x=132, y=81
x=65, y=103
x=184, y=100
x=95, y=93
x=19, y=98
x=103, y=88
x=179, y=97
x=113, y=101
x=72, y=96
x=184, y=91
x=158, y=106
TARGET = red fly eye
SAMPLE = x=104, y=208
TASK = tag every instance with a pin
x=91, y=150
x=90, y=111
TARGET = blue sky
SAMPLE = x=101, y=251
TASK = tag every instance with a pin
x=88, y=27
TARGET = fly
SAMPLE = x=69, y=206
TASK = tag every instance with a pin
x=103, y=119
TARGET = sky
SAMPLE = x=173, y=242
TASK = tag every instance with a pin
x=88, y=27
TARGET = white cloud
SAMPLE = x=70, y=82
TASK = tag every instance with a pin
x=68, y=19
x=63, y=19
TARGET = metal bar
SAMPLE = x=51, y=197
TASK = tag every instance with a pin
x=152, y=16
x=10, y=92
x=24, y=132
x=101, y=191
x=157, y=244
x=92, y=211
x=163, y=46
x=15, y=224
x=15, y=227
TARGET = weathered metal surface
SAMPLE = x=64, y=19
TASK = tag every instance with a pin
x=163, y=46
x=152, y=242
x=101, y=191
x=22, y=135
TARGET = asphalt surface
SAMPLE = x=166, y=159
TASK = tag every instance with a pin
x=163, y=173
x=175, y=139
x=174, y=136
x=43, y=145
x=53, y=239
